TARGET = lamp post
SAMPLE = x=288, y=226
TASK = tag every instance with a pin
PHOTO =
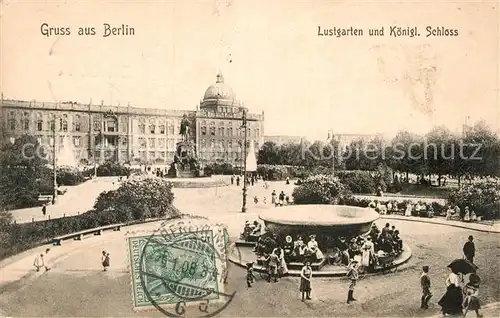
x=244, y=126
x=331, y=139
x=54, y=172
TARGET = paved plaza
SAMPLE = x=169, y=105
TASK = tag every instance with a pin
x=76, y=285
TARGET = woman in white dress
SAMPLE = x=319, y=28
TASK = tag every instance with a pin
x=283, y=269
x=314, y=248
x=408, y=209
x=451, y=302
x=368, y=251
x=467, y=214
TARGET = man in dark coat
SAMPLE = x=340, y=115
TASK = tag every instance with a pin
x=470, y=249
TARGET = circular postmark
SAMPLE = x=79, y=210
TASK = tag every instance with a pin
x=181, y=269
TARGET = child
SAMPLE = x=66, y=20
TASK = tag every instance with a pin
x=250, y=276
x=105, y=260
x=425, y=283
x=471, y=291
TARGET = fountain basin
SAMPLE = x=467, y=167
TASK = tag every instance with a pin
x=326, y=221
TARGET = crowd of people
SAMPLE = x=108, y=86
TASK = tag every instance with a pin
x=378, y=248
x=419, y=208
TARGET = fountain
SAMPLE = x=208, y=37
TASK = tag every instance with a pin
x=66, y=155
x=325, y=221
x=330, y=224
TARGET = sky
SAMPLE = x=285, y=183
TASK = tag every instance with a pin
x=270, y=54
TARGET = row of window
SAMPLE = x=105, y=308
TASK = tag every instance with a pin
x=25, y=124
x=229, y=132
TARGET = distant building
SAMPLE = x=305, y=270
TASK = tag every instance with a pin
x=135, y=135
x=346, y=139
x=279, y=140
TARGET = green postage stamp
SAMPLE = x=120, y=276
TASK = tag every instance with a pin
x=181, y=265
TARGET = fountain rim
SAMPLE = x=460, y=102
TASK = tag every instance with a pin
x=277, y=218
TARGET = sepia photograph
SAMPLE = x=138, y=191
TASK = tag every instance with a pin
x=249, y=158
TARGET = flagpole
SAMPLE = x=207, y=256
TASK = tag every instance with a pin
x=244, y=126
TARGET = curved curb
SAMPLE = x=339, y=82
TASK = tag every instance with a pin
x=183, y=184
x=494, y=308
x=423, y=220
x=405, y=257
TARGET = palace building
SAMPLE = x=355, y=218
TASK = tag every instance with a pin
x=127, y=134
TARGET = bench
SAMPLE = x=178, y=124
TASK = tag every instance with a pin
x=44, y=198
x=79, y=235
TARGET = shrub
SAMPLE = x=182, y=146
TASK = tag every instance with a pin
x=134, y=200
x=358, y=181
x=320, y=189
x=220, y=169
x=482, y=196
x=112, y=169
x=69, y=176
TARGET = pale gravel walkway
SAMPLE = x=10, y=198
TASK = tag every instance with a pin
x=78, y=199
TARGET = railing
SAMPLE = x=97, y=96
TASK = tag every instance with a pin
x=79, y=235
x=99, y=230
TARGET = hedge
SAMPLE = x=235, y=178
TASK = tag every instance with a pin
x=482, y=196
x=109, y=169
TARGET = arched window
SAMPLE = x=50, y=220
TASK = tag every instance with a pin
x=162, y=129
x=203, y=130
x=152, y=129
x=212, y=131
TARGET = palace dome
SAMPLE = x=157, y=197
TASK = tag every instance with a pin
x=219, y=90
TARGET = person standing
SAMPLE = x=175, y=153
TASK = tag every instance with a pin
x=238, y=181
x=408, y=210
x=305, y=280
x=470, y=249
x=451, y=302
x=44, y=209
x=250, y=275
x=282, y=268
x=353, y=275
x=38, y=262
x=274, y=262
x=471, y=292
x=425, y=283
x=46, y=260
x=232, y=179
x=273, y=198
x=105, y=260
x=281, y=198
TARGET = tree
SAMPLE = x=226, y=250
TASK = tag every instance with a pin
x=406, y=153
x=21, y=165
x=269, y=154
x=439, y=151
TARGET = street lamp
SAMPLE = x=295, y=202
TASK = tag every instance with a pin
x=244, y=126
x=54, y=172
x=331, y=139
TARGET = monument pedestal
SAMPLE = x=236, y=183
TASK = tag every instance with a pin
x=185, y=164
